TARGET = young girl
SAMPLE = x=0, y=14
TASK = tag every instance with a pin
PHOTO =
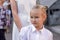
x=36, y=31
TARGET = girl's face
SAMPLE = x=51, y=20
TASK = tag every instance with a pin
x=37, y=18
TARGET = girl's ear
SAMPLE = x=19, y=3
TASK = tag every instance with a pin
x=44, y=16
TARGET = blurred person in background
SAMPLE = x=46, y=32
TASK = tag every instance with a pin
x=8, y=15
x=20, y=11
x=2, y=21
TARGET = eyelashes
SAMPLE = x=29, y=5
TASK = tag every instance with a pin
x=34, y=17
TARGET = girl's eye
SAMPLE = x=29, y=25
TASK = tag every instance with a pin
x=36, y=17
x=31, y=17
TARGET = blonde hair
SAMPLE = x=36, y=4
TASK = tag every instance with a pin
x=43, y=8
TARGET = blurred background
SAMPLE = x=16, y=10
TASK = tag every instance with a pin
x=52, y=22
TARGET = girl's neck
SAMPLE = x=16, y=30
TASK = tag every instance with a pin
x=40, y=27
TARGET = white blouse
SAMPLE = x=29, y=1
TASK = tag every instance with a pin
x=30, y=33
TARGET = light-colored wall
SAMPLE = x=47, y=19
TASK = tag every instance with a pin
x=46, y=2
